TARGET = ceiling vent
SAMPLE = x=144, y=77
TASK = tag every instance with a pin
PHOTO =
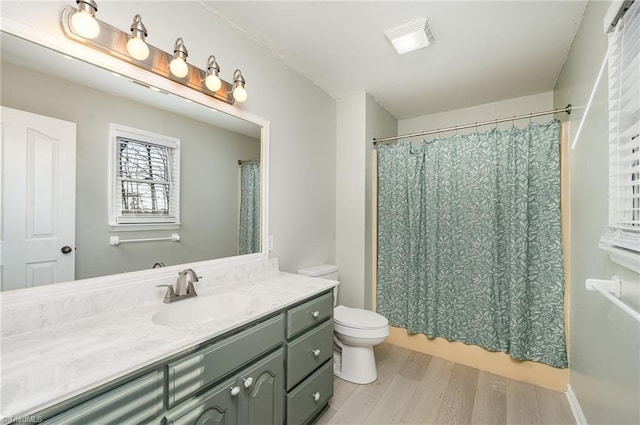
x=411, y=36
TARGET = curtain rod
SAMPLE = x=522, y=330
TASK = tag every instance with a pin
x=247, y=161
x=566, y=109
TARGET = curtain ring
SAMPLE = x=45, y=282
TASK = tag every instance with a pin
x=476, y=126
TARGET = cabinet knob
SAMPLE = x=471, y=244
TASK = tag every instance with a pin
x=316, y=352
x=316, y=396
x=315, y=314
x=247, y=382
x=235, y=391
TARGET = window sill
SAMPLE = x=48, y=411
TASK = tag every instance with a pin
x=622, y=257
x=143, y=227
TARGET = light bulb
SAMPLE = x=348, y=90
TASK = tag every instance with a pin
x=240, y=94
x=85, y=25
x=212, y=82
x=137, y=48
x=179, y=67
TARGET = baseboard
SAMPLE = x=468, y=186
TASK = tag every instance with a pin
x=575, y=407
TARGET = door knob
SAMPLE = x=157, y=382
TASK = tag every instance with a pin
x=66, y=249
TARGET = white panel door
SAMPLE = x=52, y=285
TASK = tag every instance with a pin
x=38, y=200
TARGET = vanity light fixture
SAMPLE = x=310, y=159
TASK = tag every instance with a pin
x=131, y=47
x=84, y=19
x=178, y=65
x=239, y=92
x=136, y=45
x=212, y=81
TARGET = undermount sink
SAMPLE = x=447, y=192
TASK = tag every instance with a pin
x=194, y=311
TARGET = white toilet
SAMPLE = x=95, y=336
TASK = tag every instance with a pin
x=356, y=331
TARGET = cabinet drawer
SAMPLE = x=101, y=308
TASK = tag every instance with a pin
x=133, y=402
x=308, y=314
x=302, y=403
x=309, y=351
x=196, y=371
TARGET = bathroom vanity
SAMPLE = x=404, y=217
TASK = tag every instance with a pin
x=264, y=356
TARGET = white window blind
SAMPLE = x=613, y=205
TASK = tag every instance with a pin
x=145, y=174
x=624, y=132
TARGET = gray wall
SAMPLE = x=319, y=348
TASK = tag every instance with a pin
x=359, y=119
x=350, y=199
x=302, y=117
x=485, y=112
x=379, y=124
x=604, y=343
x=209, y=173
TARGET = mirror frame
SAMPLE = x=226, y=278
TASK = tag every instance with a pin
x=86, y=54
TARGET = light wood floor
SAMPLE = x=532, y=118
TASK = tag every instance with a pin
x=414, y=388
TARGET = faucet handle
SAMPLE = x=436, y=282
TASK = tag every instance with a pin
x=170, y=295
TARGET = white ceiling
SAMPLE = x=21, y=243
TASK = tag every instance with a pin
x=484, y=51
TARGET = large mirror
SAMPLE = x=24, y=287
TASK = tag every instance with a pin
x=157, y=179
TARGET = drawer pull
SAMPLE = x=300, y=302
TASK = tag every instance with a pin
x=316, y=352
x=316, y=396
x=235, y=391
x=315, y=314
x=247, y=382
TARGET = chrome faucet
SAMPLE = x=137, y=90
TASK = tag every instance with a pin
x=184, y=287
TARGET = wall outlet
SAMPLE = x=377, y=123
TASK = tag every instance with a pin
x=270, y=242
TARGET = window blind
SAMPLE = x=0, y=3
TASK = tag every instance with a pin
x=146, y=182
x=624, y=132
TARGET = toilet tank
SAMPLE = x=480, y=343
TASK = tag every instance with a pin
x=323, y=271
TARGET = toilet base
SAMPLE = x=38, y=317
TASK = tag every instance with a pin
x=355, y=364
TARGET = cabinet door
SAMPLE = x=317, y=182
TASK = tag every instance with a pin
x=262, y=401
x=218, y=406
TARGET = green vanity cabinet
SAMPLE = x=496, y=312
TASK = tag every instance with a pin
x=309, y=365
x=190, y=374
x=262, y=398
x=254, y=396
x=215, y=407
x=275, y=370
x=134, y=402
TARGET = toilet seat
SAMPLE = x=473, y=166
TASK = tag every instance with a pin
x=359, y=323
x=358, y=318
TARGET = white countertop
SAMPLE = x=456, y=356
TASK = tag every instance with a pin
x=44, y=367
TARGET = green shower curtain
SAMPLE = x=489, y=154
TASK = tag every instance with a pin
x=249, y=232
x=469, y=240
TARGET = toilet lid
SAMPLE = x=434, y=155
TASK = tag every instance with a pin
x=358, y=318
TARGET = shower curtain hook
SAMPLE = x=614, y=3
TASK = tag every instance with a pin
x=476, y=126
